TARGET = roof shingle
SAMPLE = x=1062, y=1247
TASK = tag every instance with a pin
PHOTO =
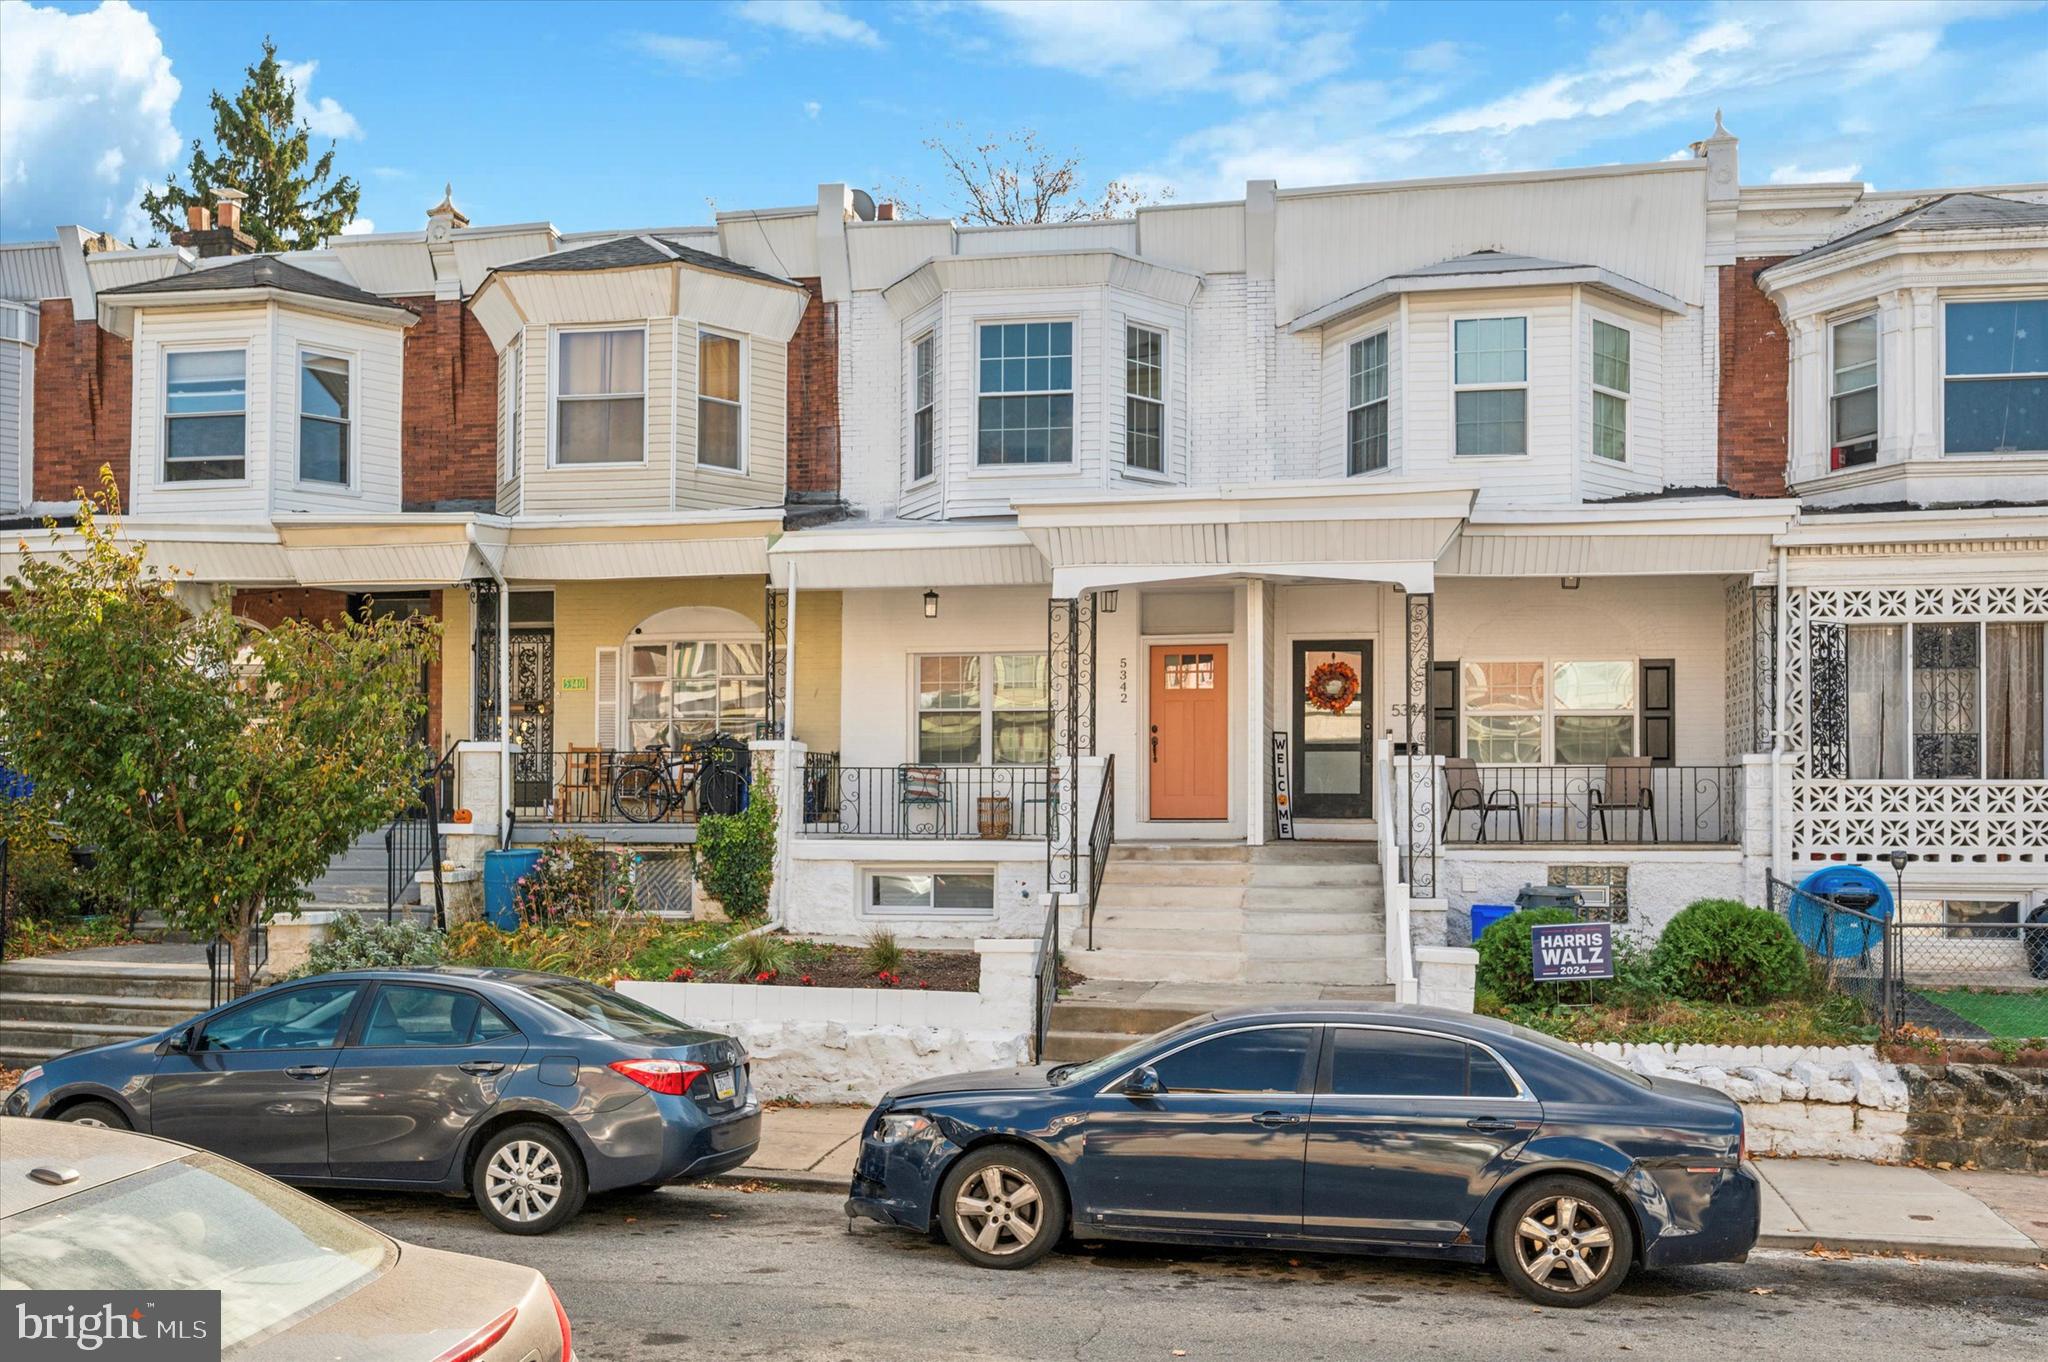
x=630, y=252
x=1951, y=212
x=255, y=271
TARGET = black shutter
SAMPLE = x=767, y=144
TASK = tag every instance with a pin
x=1443, y=709
x=1659, y=702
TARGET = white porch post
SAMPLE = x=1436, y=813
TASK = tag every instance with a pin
x=506, y=746
x=790, y=805
x=1255, y=754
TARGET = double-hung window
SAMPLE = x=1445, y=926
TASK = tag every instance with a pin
x=1852, y=388
x=921, y=408
x=1491, y=385
x=324, y=424
x=1365, y=416
x=601, y=396
x=1026, y=388
x=983, y=708
x=1610, y=391
x=685, y=690
x=1145, y=398
x=1947, y=700
x=718, y=401
x=1995, y=397
x=1575, y=713
x=206, y=406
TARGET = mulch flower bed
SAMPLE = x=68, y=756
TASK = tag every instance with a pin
x=821, y=966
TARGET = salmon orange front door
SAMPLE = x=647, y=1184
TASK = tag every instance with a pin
x=1190, y=737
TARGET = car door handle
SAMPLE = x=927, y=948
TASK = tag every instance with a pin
x=307, y=1071
x=1491, y=1124
x=480, y=1066
x=1273, y=1120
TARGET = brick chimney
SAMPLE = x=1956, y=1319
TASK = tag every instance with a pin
x=885, y=211
x=224, y=238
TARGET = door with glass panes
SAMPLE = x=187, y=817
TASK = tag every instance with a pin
x=1332, y=735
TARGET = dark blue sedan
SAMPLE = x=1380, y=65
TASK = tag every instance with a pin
x=526, y=1090
x=1327, y=1126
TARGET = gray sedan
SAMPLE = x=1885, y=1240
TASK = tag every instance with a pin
x=526, y=1090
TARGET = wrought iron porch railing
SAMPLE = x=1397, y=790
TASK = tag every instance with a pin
x=1045, y=980
x=578, y=784
x=1101, y=837
x=1623, y=804
x=412, y=842
x=944, y=803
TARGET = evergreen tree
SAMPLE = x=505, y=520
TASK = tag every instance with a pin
x=264, y=152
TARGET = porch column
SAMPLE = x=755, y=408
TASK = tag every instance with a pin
x=1421, y=771
x=1066, y=670
x=1256, y=754
x=776, y=608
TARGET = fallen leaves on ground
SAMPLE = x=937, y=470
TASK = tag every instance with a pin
x=1763, y=1291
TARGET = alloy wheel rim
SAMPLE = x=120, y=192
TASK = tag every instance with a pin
x=999, y=1210
x=1564, y=1243
x=93, y=1121
x=523, y=1180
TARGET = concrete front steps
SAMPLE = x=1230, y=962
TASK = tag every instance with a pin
x=1104, y=1015
x=56, y=1003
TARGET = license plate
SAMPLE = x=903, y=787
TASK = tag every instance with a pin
x=722, y=1084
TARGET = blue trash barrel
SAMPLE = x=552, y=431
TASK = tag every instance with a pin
x=1484, y=915
x=1840, y=937
x=502, y=872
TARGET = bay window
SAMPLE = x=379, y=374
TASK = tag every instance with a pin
x=1026, y=388
x=1491, y=385
x=921, y=409
x=1995, y=393
x=323, y=419
x=1610, y=391
x=978, y=709
x=1852, y=388
x=600, y=396
x=685, y=690
x=1145, y=398
x=718, y=401
x=1571, y=712
x=1365, y=418
x=206, y=405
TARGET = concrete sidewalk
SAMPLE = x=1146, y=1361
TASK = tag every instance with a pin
x=1837, y=1205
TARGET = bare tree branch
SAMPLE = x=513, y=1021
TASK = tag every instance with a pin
x=1011, y=179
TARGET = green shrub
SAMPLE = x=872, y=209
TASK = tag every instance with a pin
x=1724, y=951
x=762, y=955
x=1504, y=955
x=575, y=880
x=360, y=944
x=882, y=955
x=42, y=880
x=736, y=856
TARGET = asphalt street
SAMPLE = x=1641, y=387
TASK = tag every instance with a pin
x=721, y=1272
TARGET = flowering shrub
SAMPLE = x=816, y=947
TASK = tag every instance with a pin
x=575, y=880
x=356, y=943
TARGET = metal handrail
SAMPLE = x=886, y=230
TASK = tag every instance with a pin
x=412, y=841
x=1101, y=837
x=1045, y=979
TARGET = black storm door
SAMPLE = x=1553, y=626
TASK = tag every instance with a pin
x=1332, y=708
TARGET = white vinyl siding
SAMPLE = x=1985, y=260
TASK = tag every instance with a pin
x=1424, y=398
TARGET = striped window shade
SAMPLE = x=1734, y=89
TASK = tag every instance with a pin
x=604, y=685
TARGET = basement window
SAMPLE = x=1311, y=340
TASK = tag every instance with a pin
x=931, y=893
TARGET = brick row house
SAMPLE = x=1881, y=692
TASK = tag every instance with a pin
x=1625, y=527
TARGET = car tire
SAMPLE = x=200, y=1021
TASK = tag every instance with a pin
x=95, y=1113
x=528, y=1179
x=1002, y=1206
x=1563, y=1241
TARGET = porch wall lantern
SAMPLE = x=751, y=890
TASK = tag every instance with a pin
x=1568, y=583
x=1107, y=601
x=931, y=605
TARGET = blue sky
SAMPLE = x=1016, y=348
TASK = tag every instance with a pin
x=595, y=115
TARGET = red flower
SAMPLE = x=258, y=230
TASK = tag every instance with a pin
x=807, y=979
x=684, y=973
x=764, y=976
x=922, y=984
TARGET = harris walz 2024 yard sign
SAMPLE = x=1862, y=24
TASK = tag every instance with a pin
x=1572, y=950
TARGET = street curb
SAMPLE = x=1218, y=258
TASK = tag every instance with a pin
x=1961, y=1253
x=794, y=1179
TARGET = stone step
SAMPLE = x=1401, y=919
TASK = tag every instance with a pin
x=1329, y=899
x=1115, y=895
x=1179, y=851
x=154, y=1013
x=1160, y=966
x=1177, y=872
x=1163, y=938
x=13, y=1056
x=1194, y=919
x=1362, y=974
x=1349, y=923
x=1125, y=1020
x=59, y=1036
x=1074, y=1047
x=1348, y=947
x=1269, y=876
x=112, y=979
x=1316, y=853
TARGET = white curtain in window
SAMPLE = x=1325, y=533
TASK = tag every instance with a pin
x=1877, y=702
x=2014, y=667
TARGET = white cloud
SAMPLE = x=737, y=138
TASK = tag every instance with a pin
x=92, y=89
x=1434, y=58
x=360, y=226
x=324, y=117
x=812, y=108
x=814, y=21
x=692, y=56
x=1794, y=173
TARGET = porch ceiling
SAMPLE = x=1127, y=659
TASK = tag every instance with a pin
x=922, y=557
x=614, y=559
x=1647, y=539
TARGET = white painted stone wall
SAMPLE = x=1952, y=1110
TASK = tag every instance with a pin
x=828, y=886
x=1806, y=1101
x=1660, y=883
x=854, y=1044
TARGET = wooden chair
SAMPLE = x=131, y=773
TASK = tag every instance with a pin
x=1468, y=793
x=582, y=789
x=923, y=787
x=1627, y=790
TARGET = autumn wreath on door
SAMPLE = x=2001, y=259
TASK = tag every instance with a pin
x=1332, y=686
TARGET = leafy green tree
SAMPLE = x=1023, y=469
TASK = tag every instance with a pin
x=264, y=151
x=214, y=770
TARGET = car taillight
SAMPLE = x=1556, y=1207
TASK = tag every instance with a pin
x=561, y=1318
x=482, y=1341
x=672, y=1076
x=1741, y=1139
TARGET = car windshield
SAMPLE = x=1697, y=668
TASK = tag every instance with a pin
x=605, y=1011
x=200, y=1224
x=1122, y=1059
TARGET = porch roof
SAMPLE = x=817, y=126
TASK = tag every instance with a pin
x=199, y=553
x=1644, y=539
x=1346, y=531
x=909, y=556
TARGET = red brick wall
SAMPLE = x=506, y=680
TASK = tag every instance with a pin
x=311, y=605
x=1755, y=371
x=450, y=421
x=814, y=396
x=83, y=392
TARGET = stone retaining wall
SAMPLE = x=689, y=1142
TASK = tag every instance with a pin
x=1811, y=1101
x=1977, y=1114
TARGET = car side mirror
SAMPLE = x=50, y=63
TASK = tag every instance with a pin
x=1143, y=1082
x=180, y=1043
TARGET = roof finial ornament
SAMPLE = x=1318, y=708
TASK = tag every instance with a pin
x=445, y=215
x=1720, y=128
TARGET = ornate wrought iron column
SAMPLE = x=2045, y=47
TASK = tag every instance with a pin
x=1763, y=669
x=483, y=604
x=1070, y=674
x=775, y=635
x=1084, y=674
x=1421, y=771
x=1827, y=654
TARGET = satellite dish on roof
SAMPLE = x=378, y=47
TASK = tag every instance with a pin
x=863, y=205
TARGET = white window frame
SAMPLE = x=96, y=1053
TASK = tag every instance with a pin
x=352, y=483
x=927, y=341
x=164, y=417
x=1164, y=472
x=1052, y=467
x=1982, y=624
x=1942, y=379
x=1870, y=314
x=987, y=707
x=1351, y=348
x=1625, y=396
x=1458, y=388
x=555, y=397
x=869, y=908
x=669, y=643
x=745, y=423
x=1551, y=711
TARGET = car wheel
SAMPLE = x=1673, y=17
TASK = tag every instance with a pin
x=1563, y=1241
x=95, y=1113
x=1002, y=1206
x=528, y=1179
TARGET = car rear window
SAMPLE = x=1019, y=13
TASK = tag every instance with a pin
x=200, y=1224
x=605, y=1011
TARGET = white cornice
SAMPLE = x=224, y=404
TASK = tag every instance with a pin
x=1094, y=268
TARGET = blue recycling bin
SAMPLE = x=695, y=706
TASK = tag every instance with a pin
x=1484, y=915
x=502, y=873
